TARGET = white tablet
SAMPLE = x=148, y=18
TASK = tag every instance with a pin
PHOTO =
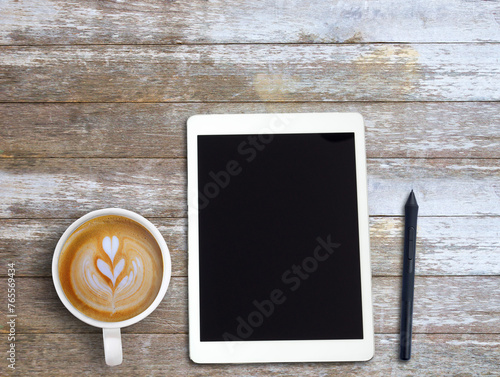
x=279, y=259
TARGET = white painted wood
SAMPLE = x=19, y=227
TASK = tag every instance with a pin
x=259, y=21
x=263, y=73
x=393, y=129
x=113, y=154
x=451, y=246
x=68, y=188
x=447, y=304
x=160, y=355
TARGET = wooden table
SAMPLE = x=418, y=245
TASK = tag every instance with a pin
x=94, y=100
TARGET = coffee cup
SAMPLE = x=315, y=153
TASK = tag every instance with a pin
x=111, y=268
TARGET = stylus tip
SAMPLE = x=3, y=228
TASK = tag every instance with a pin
x=412, y=201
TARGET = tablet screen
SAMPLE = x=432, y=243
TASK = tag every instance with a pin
x=278, y=237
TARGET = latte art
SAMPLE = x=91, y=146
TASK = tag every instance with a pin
x=110, y=268
x=96, y=282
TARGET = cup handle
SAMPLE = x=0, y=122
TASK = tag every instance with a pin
x=112, y=346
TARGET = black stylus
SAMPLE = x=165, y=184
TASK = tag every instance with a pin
x=411, y=212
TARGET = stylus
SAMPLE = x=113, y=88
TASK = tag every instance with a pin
x=411, y=212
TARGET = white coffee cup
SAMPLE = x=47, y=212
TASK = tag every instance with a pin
x=111, y=330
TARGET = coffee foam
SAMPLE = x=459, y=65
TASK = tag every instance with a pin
x=111, y=268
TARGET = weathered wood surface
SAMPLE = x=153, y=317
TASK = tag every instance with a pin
x=167, y=355
x=236, y=73
x=32, y=243
x=164, y=22
x=71, y=187
x=442, y=305
x=400, y=129
x=66, y=188
x=94, y=96
x=442, y=250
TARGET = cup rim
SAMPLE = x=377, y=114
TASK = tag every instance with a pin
x=167, y=268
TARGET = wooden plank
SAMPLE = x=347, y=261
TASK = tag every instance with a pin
x=167, y=355
x=474, y=250
x=412, y=129
x=67, y=188
x=30, y=243
x=236, y=73
x=159, y=22
x=443, y=187
x=157, y=187
x=450, y=304
x=441, y=249
x=84, y=184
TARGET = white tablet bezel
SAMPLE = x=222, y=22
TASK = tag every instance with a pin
x=278, y=351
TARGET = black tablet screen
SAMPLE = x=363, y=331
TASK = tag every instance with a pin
x=278, y=237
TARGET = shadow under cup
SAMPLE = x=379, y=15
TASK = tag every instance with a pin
x=111, y=268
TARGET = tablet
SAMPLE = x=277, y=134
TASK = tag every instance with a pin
x=279, y=261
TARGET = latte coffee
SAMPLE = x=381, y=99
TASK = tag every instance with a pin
x=111, y=268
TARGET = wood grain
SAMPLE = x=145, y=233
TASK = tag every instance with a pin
x=442, y=305
x=94, y=98
x=66, y=188
x=445, y=246
x=30, y=243
x=69, y=188
x=474, y=250
x=160, y=355
x=163, y=22
x=238, y=73
x=414, y=129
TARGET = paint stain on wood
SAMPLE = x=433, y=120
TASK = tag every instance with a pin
x=356, y=38
x=275, y=87
x=397, y=67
